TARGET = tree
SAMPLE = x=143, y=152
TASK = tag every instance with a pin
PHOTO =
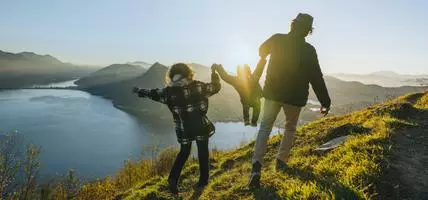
x=10, y=163
x=18, y=173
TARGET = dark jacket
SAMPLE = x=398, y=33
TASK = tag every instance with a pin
x=249, y=90
x=292, y=66
x=188, y=105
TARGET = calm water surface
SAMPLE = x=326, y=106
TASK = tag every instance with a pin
x=78, y=130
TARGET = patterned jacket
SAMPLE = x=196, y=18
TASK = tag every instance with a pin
x=189, y=106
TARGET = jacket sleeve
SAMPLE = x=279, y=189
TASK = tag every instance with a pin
x=259, y=69
x=158, y=95
x=265, y=48
x=317, y=81
x=232, y=80
x=209, y=89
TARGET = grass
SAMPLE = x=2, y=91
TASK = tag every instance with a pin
x=352, y=171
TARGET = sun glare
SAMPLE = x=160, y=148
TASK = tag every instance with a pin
x=240, y=55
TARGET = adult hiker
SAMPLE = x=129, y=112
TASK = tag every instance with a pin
x=293, y=65
x=187, y=99
x=249, y=91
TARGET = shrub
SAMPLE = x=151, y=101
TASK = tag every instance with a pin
x=18, y=173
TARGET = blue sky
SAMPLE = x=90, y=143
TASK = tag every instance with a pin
x=350, y=36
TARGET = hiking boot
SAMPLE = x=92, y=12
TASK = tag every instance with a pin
x=281, y=166
x=254, y=180
x=254, y=124
x=255, y=175
x=172, y=186
x=247, y=123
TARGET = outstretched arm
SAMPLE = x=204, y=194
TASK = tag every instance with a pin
x=209, y=89
x=266, y=47
x=264, y=51
x=158, y=95
x=225, y=76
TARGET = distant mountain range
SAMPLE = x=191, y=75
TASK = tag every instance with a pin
x=116, y=81
x=28, y=56
x=225, y=106
x=385, y=78
x=122, y=97
x=27, y=68
x=112, y=73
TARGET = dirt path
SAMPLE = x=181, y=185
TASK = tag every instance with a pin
x=406, y=175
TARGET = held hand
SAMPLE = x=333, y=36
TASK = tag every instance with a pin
x=324, y=111
x=215, y=67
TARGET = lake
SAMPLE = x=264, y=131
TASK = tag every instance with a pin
x=77, y=130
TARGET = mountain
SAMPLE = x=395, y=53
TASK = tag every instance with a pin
x=141, y=64
x=386, y=79
x=384, y=157
x=385, y=74
x=27, y=68
x=222, y=109
x=110, y=74
x=226, y=106
x=352, y=95
x=121, y=93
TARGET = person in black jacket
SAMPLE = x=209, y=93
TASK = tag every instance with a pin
x=293, y=65
x=249, y=90
x=187, y=99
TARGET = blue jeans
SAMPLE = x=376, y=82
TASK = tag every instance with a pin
x=271, y=110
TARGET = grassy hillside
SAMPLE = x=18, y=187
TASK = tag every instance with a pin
x=386, y=157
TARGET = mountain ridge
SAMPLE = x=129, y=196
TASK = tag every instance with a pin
x=27, y=68
x=140, y=63
x=110, y=74
x=225, y=106
x=386, y=78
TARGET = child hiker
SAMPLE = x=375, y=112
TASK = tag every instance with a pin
x=249, y=90
x=187, y=99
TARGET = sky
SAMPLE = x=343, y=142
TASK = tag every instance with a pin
x=350, y=36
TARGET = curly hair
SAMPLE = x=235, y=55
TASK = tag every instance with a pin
x=179, y=68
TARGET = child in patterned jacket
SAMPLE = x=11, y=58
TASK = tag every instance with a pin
x=187, y=99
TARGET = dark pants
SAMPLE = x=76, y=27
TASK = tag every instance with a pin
x=246, y=111
x=203, y=156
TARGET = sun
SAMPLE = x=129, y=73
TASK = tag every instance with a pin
x=240, y=55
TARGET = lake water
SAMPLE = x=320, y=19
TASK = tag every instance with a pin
x=59, y=84
x=78, y=130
